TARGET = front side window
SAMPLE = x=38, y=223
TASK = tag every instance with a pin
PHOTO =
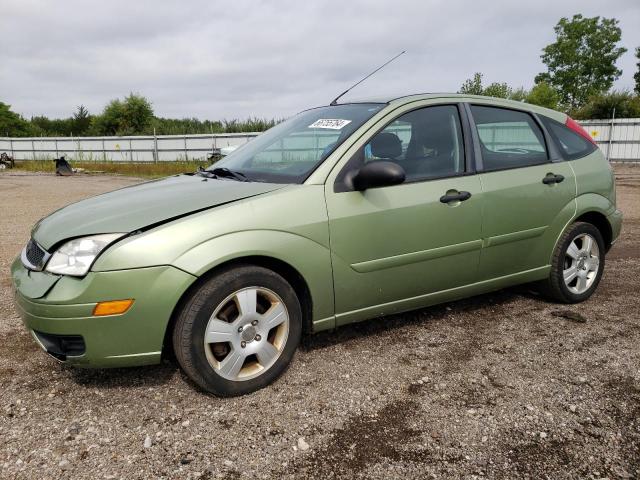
x=508, y=138
x=427, y=143
x=290, y=151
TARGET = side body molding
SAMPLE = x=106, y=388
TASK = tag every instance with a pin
x=415, y=257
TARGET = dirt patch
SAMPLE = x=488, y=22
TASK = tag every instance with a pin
x=379, y=437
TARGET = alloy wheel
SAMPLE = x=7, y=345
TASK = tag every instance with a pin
x=581, y=263
x=246, y=333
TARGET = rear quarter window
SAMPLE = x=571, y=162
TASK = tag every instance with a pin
x=571, y=144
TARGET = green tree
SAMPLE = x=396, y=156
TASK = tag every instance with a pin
x=602, y=106
x=582, y=61
x=81, y=121
x=519, y=94
x=131, y=116
x=472, y=86
x=12, y=124
x=636, y=76
x=52, y=127
x=544, y=95
x=499, y=90
x=108, y=122
x=137, y=114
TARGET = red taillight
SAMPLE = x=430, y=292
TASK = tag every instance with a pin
x=576, y=127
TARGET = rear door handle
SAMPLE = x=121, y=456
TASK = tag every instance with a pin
x=552, y=178
x=455, y=196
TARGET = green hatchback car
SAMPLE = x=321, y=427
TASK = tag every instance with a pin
x=339, y=214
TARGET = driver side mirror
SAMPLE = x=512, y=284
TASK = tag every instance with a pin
x=379, y=173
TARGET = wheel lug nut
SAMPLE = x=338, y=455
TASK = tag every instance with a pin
x=243, y=344
x=254, y=323
x=258, y=338
x=239, y=329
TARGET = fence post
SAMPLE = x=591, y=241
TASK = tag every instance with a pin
x=104, y=152
x=130, y=150
x=613, y=122
x=155, y=147
x=11, y=147
x=33, y=149
x=186, y=155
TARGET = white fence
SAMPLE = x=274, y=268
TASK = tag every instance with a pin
x=162, y=148
x=618, y=139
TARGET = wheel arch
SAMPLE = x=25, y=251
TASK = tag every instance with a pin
x=589, y=207
x=594, y=208
x=598, y=220
x=282, y=268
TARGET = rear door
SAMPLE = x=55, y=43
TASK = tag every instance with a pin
x=393, y=245
x=529, y=192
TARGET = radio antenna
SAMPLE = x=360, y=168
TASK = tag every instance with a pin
x=335, y=100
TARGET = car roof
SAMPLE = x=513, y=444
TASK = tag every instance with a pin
x=403, y=99
x=412, y=97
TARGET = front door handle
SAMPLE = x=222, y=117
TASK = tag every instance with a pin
x=455, y=196
x=552, y=178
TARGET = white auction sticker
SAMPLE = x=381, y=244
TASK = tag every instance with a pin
x=331, y=123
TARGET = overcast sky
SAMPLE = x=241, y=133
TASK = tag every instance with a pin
x=212, y=59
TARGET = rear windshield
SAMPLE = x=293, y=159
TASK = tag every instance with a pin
x=290, y=151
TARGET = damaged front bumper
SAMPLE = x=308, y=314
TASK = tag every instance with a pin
x=58, y=311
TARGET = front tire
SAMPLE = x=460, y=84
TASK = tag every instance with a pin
x=577, y=264
x=238, y=331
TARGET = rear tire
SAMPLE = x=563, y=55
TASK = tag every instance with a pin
x=577, y=264
x=238, y=331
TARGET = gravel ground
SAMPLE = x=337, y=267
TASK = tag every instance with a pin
x=503, y=385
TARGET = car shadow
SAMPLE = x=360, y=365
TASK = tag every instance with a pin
x=382, y=325
x=156, y=375
x=147, y=376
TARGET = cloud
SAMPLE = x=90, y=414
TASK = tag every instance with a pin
x=234, y=59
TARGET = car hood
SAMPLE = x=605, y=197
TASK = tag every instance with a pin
x=139, y=206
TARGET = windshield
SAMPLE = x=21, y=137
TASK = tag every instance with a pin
x=290, y=151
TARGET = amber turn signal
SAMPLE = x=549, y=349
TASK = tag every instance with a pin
x=113, y=307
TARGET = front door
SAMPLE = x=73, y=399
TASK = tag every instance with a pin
x=392, y=245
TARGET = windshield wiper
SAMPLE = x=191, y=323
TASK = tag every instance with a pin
x=225, y=172
x=204, y=173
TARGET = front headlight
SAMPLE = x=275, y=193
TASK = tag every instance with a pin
x=76, y=256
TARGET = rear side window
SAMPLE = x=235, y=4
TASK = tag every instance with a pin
x=508, y=138
x=571, y=144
